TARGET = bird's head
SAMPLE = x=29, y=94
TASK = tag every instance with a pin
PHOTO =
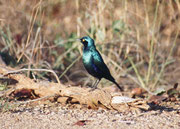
x=87, y=41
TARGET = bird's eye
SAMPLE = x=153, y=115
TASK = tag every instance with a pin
x=84, y=41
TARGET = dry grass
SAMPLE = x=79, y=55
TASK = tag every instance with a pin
x=138, y=39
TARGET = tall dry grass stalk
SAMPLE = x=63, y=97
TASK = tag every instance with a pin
x=136, y=38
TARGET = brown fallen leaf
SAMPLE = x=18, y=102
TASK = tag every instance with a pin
x=137, y=92
x=81, y=122
x=173, y=99
x=173, y=91
x=157, y=99
x=126, y=104
x=24, y=94
x=62, y=100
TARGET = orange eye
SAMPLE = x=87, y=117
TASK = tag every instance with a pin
x=83, y=40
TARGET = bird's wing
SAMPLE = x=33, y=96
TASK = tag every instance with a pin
x=99, y=64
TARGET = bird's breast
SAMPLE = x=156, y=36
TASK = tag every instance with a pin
x=87, y=58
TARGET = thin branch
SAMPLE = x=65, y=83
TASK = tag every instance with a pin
x=34, y=100
x=46, y=70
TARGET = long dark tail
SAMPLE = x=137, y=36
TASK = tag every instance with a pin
x=118, y=85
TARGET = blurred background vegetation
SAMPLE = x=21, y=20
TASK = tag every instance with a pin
x=139, y=39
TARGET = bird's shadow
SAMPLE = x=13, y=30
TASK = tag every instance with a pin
x=157, y=107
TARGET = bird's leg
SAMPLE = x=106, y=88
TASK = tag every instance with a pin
x=95, y=84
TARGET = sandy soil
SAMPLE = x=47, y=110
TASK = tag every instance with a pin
x=53, y=117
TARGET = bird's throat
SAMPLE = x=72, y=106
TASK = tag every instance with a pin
x=85, y=46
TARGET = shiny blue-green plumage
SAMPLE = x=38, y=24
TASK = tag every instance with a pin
x=93, y=61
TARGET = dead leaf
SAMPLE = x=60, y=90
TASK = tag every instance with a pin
x=62, y=100
x=173, y=99
x=124, y=104
x=23, y=94
x=138, y=92
x=157, y=99
x=81, y=122
x=173, y=91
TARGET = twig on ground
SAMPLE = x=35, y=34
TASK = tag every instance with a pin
x=46, y=70
x=38, y=99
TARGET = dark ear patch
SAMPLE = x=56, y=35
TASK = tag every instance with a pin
x=85, y=43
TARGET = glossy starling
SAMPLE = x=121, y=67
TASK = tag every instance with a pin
x=94, y=63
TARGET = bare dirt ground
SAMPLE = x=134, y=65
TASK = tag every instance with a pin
x=30, y=112
x=58, y=116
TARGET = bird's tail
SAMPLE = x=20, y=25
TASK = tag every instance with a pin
x=118, y=85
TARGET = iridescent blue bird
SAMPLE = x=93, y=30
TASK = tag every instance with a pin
x=93, y=62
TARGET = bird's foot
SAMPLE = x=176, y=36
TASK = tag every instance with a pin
x=92, y=89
